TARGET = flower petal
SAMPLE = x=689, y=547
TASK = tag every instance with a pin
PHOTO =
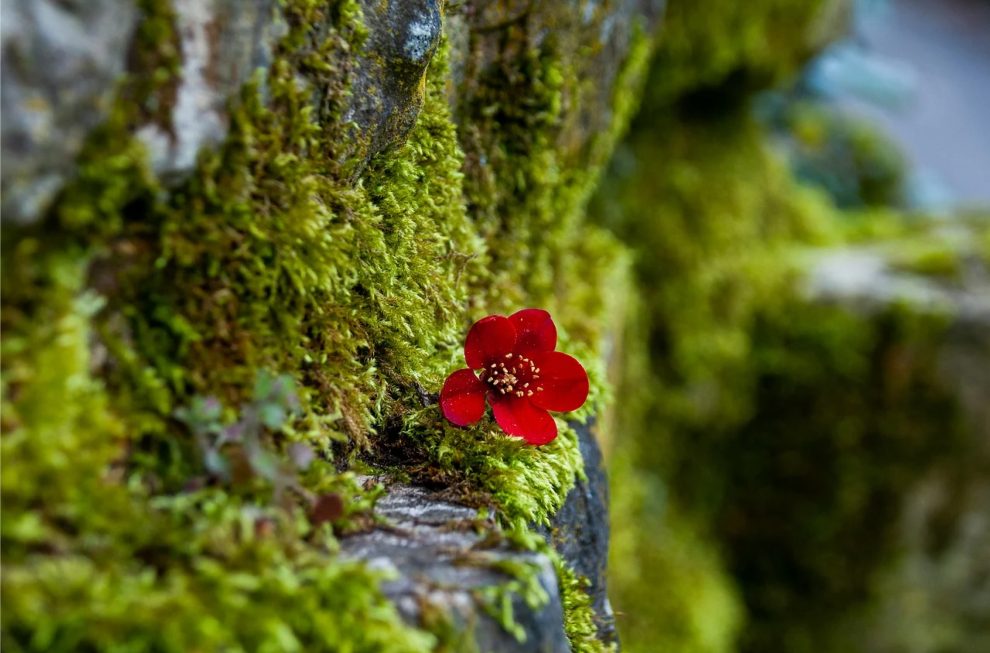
x=564, y=381
x=490, y=338
x=535, y=331
x=462, y=398
x=518, y=416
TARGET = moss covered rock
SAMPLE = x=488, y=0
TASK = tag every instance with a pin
x=257, y=270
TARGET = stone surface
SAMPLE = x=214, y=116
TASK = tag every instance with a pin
x=580, y=531
x=442, y=557
x=867, y=280
x=441, y=554
x=223, y=43
x=61, y=60
x=389, y=87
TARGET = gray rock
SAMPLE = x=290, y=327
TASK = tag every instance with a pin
x=388, y=89
x=222, y=43
x=61, y=60
x=580, y=531
x=867, y=280
x=441, y=554
x=442, y=558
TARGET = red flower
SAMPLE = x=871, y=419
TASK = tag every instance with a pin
x=520, y=375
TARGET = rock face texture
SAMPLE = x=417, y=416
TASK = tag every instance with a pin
x=443, y=560
x=388, y=94
x=61, y=61
x=221, y=44
x=580, y=531
x=492, y=40
x=446, y=560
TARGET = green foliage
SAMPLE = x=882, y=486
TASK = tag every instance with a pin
x=677, y=595
x=711, y=215
x=270, y=257
x=847, y=157
x=527, y=484
x=93, y=562
x=734, y=48
x=144, y=313
x=848, y=414
x=764, y=441
x=529, y=200
x=198, y=572
x=579, y=615
x=784, y=432
x=498, y=600
x=727, y=214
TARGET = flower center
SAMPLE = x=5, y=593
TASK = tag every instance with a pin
x=515, y=375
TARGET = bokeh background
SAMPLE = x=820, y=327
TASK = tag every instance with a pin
x=800, y=458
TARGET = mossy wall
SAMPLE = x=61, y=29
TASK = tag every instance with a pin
x=135, y=305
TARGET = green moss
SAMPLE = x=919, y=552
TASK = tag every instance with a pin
x=931, y=261
x=55, y=458
x=711, y=214
x=782, y=431
x=92, y=562
x=528, y=208
x=200, y=575
x=677, y=596
x=735, y=48
x=729, y=212
x=849, y=158
x=268, y=257
x=134, y=298
x=849, y=414
x=265, y=258
x=579, y=615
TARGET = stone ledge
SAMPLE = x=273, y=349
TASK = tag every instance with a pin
x=440, y=556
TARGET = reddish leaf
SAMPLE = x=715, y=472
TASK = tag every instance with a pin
x=327, y=508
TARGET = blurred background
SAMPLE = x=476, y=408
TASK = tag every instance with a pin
x=802, y=458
